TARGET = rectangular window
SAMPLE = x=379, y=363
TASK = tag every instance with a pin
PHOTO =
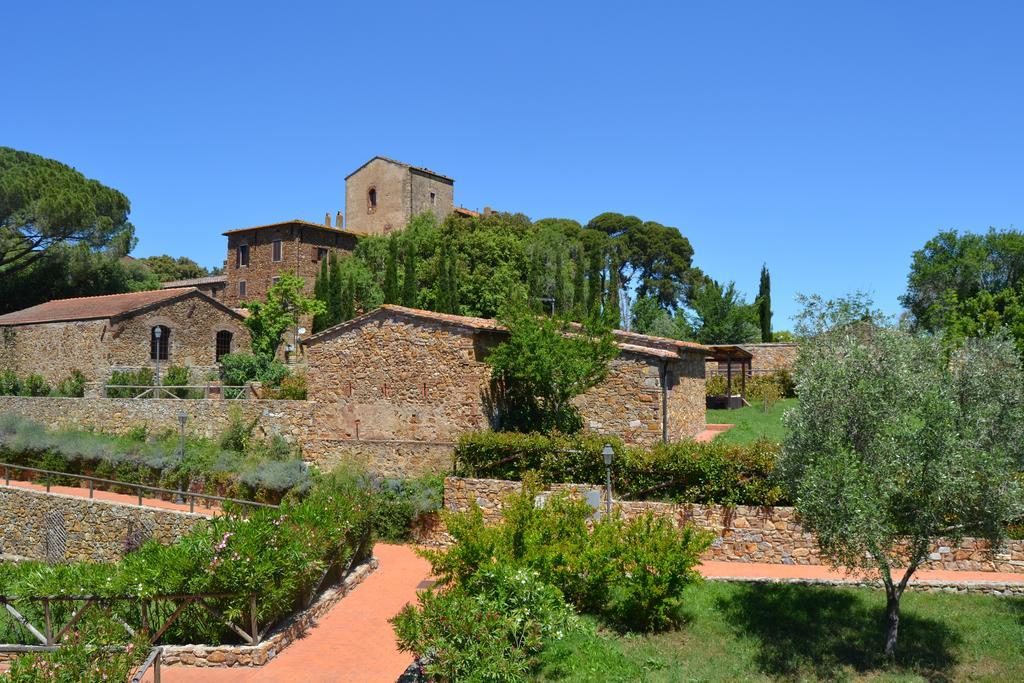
x=273, y=280
x=321, y=253
x=242, y=256
x=241, y=288
x=277, y=250
x=433, y=199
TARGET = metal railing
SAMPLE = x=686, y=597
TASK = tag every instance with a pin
x=139, y=489
x=184, y=391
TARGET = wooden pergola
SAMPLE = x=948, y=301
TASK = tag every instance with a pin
x=733, y=356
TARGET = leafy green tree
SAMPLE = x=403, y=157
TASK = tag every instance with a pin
x=321, y=292
x=391, y=292
x=985, y=314
x=614, y=224
x=167, y=268
x=409, y=281
x=819, y=315
x=764, y=304
x=561, y=291
x=964, y=264
x=894, y=447
x=332, y=315
x=44, y=204
x=543, y=364
x=270, y=319
x=721, y=316
x=660, y=258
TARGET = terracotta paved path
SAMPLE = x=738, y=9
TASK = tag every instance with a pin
x=353, y=642
x=127, y=499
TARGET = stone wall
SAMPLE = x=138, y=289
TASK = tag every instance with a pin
x=430, y=193
x=743, y=533
x=405, y=375
x=393, y=377
x=767, y=358
x=96, y=347
x=293, y=420
x=299, y=244
x=54, y=527
x=402, y=192
x=388, y=458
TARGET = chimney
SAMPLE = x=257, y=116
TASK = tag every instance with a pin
x=488, y=211
x=339, y=220
x=327, y=219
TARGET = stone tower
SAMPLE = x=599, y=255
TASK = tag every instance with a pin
x=383, y=194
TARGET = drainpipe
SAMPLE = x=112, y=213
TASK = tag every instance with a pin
x=664, y=401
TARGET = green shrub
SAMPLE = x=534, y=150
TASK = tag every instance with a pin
x=629, y=572
x=491, y=629
x=239, y=431
x=9, y=383
x=237, y=369
x=400, y=503
x=277, y=555
x=78, y=660
x=73, y=385
x=780, y=382
x=686, y=471
x=292, y=388
x=143, y=377
x=35, y=385
x=177, y=376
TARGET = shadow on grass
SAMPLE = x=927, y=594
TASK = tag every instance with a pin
x=807, y=630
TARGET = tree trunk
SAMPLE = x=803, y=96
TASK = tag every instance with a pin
x=892, y=613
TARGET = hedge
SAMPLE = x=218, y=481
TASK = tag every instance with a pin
x=728, y=474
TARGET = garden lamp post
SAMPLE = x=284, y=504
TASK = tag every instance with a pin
x=607, y=452
x=157, y=333
x=182, y=419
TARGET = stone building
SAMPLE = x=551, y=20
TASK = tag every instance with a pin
x=765, y=358
x=383, y=194
x=213, y=286
x=402, y=373
x=99, y=334
x=257, y=256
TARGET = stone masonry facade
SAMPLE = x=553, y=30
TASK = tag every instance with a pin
x=399, y=373
x=742, y=533
x=382, y=195
x=767, y=358
x=54, y=527
x=97, y=347
x=301, y=247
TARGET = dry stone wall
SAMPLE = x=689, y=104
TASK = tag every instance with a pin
x=293, y=420
x=742, y=533
x=52, y=527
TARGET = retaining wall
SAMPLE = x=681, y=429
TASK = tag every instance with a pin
x=743, y=533
x=52, y=527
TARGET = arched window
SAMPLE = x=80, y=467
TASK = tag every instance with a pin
x=223, y=343
x=159, y=342
x=371, y=200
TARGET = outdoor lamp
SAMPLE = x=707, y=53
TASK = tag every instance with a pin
x=157, y=332
x=607, y=452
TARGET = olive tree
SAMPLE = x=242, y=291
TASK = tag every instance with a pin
x=896, y=445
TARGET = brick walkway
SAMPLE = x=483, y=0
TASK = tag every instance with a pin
x=126, y=498
x=353, y=642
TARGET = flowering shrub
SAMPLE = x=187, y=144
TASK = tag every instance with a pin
x=276, y=555
x=731, y=474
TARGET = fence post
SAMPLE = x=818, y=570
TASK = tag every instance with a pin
x=191, y=503
x=90, y=487
x=139, y=491
x=7, y=476
x=252, y=619
x=48, y=632
x=156, y=666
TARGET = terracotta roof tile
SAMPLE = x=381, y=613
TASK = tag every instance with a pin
x=93, y=307
x=195, y=282
x=626, y=341
x=301, y=223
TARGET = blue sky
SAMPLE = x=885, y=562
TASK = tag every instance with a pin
x=827, y=141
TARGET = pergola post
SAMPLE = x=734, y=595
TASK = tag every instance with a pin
x=743, y=381
x=728, y=378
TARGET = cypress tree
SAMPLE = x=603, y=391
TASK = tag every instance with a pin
x=578, y=289
x=320, y=293
x=536, y=281
x=612, y=308
x=561, y=295
x=409, y=284
x=764, y=304
x=334, y=293
x=595, y=284
x=348, y=299
x=391, y=292
x=453, y=283
x=441, y=303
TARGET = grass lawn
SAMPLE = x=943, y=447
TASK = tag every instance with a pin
x=757, y=632
x=752, y=422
